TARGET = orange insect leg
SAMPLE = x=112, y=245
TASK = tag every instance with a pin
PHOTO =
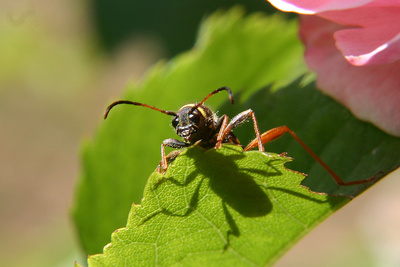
x=279, y=131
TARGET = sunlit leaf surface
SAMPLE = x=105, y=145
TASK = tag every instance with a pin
x=220, y=207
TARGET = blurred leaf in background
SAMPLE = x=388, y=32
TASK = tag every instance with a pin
x=172, y=23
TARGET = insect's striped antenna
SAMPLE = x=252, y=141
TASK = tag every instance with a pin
x=136, y=104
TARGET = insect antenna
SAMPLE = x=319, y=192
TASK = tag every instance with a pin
x=136, y=104
x=213, y=93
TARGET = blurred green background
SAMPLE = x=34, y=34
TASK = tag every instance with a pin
x=61, y=64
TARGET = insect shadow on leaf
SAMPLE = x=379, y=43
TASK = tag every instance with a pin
x=219, y=173
x=234, y=229
x=235, y=188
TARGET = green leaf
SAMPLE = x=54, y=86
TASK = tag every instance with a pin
x=220, y=207
x=244, y=53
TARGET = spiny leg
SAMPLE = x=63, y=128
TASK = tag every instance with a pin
x=171, y=143
x=279, y=131
x=239, y=119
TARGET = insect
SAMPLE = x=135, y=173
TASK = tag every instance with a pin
x=197, y=124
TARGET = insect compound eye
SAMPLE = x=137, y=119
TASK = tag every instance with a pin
x=175, y=122
x=194, y=117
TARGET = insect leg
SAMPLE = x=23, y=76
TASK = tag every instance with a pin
x=170, y=157
x=171, y=143
x=279, y=131
x=239, y=119
x=223, y=121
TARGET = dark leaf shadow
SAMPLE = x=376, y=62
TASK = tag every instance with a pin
x=236, y=188
x=234, y=229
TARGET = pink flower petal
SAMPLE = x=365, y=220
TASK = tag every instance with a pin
x=314, y=6
x=366, y=33
x=372, y=35
x=371, y=92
